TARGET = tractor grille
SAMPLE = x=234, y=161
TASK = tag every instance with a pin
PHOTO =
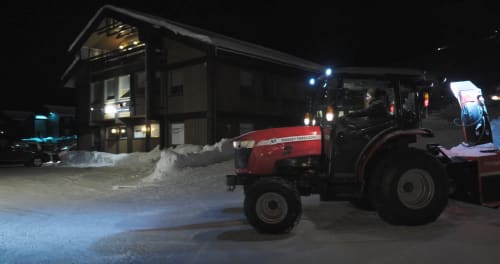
x=241, y=157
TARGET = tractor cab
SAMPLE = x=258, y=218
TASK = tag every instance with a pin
x=356, y=107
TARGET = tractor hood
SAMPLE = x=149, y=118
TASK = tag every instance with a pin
x=257, y=152
x=281, y=135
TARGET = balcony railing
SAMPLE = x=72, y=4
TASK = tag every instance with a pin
x=119, y=53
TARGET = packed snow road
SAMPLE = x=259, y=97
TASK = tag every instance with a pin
x=173, y=207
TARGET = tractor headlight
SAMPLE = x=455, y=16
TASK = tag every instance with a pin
x=307, y=119
x=329, y=114
x=243, y=144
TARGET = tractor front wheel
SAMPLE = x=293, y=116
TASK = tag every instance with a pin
x=272, y=205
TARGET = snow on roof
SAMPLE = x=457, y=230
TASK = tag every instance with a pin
x=220, y=42
x=70, y=67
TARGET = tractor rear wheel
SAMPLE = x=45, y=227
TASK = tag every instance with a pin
x=272, y=205
x=412, y=189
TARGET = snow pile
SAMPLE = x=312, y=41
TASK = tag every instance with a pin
x=157, y=163
x=84, y=159
x=140, y=159
x=172, y=160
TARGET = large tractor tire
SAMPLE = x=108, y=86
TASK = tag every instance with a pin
x=272, y=205
x=412, y=188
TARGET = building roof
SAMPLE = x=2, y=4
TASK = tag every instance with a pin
x=220, y=42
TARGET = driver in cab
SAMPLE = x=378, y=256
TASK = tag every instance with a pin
x=375, y=102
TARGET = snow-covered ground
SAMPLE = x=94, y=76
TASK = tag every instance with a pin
x=172, y=206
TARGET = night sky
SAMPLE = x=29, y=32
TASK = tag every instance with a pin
x=343, y=33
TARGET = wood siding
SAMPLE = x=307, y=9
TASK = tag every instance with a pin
x=196, y=131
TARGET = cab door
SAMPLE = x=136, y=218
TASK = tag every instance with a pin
x=354, y=128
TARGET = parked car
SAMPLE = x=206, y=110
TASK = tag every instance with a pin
x=28, y=153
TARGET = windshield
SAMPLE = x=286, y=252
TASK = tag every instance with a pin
x=353, y=94
x=359, y=93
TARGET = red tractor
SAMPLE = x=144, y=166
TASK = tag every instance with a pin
x=355, y=146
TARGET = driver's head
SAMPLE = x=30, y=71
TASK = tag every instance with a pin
x=373, y=94
x=369, y=96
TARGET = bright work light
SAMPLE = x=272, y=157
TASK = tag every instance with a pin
x=328, y=72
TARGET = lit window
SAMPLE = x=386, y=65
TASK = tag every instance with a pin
x=140, y=131
x=155, y=130
x=124, y=86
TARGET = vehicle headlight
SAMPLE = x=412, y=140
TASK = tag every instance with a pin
x=243, y=144
x=329, y=113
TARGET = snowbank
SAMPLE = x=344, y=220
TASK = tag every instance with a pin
x=162, y=163
x=174, y=159
x=83, y=159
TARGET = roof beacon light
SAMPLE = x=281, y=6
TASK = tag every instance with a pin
x=312, y=81
x=328, y=72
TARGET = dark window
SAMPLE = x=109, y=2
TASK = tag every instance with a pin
x=96, y=92
x=176, y=87
x=176, y=90
x=247, y=88
x=109, y=89
x=140, y=84
x=269, y=87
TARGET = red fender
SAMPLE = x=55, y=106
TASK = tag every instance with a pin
x=379, y=141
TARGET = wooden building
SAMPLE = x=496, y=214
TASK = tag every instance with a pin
x=144, y=81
